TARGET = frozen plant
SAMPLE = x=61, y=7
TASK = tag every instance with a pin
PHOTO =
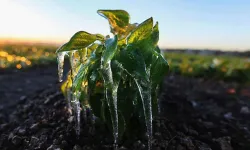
x=116, y=77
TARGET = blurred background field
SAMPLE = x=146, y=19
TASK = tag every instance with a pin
x=220, y=67
x=21, y=56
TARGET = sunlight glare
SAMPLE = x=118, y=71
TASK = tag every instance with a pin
x=18, y=21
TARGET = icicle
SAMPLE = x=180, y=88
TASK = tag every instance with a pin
x=115, y=122
x=69, y=96
x=145, y=93
x=77, y=110
x=60, y=59
x=111, y=96
x=72, y=63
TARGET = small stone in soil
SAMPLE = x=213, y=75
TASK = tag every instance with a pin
x=64, y=143
x=208, y=125
x=47, y=101
x=16, y=140
x=71, y=118
x=77, y=147
x=244, y=110
x=179, y=147
x=11, y=135
x=122, y=148
x=34, y=127
x=22, y=99
x=224, y=143
x=3, y=126
x=56, y=142
x=54, y=147
x=193, y=132
x=22, y=131
x=34, y=141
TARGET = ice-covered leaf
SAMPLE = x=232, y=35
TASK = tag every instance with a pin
x=126, y=101
x=144, y=89
x=133, y=61
x=118, y=20
x=155, y=34
x=159, y=69
x=91, y=48
x=111, y=48
x=142, y=32
x=116, y=72
x=79, y=40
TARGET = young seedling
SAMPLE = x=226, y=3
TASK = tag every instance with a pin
x=116, y=77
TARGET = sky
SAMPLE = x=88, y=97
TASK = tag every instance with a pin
x=212, y=24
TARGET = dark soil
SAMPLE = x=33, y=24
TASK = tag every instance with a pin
x=195, y=115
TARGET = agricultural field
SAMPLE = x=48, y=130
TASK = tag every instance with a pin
x=204, y=104
x=21, y=56
x=228, y=68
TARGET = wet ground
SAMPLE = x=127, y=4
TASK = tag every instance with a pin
x=195, y=114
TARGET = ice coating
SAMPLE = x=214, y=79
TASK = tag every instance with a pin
x=73, y=63
x=77, y=111
x=60, y=60
x=69, y=96
x=145, y=94
x=111, y=96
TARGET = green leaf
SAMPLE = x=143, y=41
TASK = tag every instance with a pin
x=133, y=62
x=78, y=41
x=95, y=101
x=118, y=20
x=157, y=49
x=111, y=48
x=154, y=99
x=122, y=39
x=91, y=48
x=125, y=102
x=144, y=89
x=80, y=77
x=142, y=32
x=99, y=37
x=155, y=34
x=116, y=72
x=158, y=70
x=84, y=71
x=145, y=38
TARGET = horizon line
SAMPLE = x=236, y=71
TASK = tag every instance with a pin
x=19, y=40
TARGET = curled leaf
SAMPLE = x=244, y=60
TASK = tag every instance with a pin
x=118, y=20
x=79, y=40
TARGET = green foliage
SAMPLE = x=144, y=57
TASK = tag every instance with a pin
x=119, y=76
x=227, y=68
